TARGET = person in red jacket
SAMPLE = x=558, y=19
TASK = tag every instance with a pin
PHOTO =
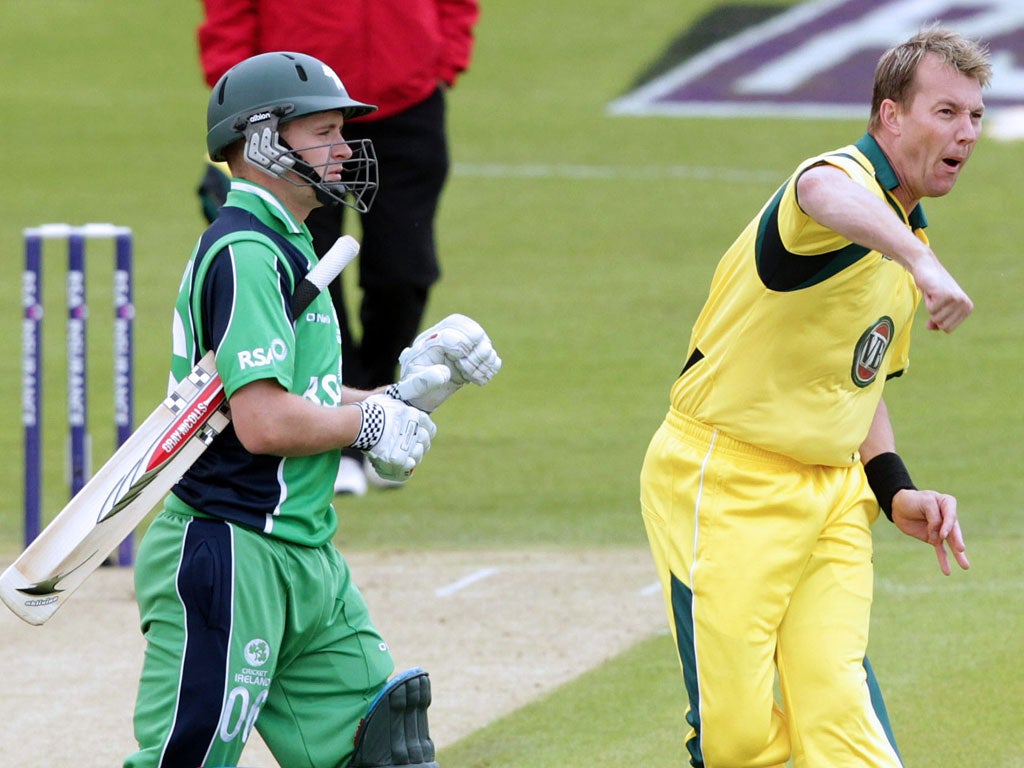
x=401, y=55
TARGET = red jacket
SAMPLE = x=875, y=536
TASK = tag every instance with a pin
x=391, y=53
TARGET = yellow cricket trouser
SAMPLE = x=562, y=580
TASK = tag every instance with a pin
x=765, y=565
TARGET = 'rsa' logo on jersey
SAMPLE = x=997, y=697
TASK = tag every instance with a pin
x=870, y=350
x=258, y=357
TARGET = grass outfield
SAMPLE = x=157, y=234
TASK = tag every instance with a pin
x=588, y=284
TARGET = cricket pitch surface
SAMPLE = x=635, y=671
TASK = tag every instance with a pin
x=495, y=630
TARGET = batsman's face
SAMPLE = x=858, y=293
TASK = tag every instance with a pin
x=938, y=129
x=318, y=140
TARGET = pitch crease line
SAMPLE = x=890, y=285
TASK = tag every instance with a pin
x=473, y=578
x=651, y=589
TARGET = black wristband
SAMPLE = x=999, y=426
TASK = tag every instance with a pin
x=887, y=475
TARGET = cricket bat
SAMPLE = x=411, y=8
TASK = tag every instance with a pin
x=137, y=477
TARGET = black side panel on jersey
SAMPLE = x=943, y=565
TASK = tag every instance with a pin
x=695, y=357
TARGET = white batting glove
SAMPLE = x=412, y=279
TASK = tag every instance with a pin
x=457, y=342
x=394, y=436
x=423, y=388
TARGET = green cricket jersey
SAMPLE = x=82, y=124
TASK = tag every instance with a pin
x=234, y=299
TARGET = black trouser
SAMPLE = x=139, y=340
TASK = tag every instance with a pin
x=398, y=257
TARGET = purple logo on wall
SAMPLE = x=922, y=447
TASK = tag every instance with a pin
x=818, y=58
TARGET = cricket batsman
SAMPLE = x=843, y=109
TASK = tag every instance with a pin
x=250, y=614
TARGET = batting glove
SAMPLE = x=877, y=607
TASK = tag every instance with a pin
x=422, y=389
x=395, y=436
x=458, y=343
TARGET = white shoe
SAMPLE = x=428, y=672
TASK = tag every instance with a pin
x=372, y=478
x=351, y=479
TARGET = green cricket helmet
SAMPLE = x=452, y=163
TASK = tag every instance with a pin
x=253, y=98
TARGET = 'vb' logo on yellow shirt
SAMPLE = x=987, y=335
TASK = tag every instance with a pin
x=870, y=351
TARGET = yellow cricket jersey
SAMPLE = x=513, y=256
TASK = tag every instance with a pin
x=802, y=327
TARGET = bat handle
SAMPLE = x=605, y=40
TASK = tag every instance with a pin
x=329, y=267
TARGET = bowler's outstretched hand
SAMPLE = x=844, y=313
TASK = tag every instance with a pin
x=931, y=516
x=947, y=303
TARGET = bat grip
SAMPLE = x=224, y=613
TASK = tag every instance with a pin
x=329, y=267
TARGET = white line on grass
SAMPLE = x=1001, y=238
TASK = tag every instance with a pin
x=464, y=582
x=611, y=172
x=651, y=589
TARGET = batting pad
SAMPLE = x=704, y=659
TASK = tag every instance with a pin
x=394, y=732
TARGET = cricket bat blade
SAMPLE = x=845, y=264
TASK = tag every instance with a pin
x=117, y=498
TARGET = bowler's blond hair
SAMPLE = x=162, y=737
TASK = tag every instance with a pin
x=894, y=75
